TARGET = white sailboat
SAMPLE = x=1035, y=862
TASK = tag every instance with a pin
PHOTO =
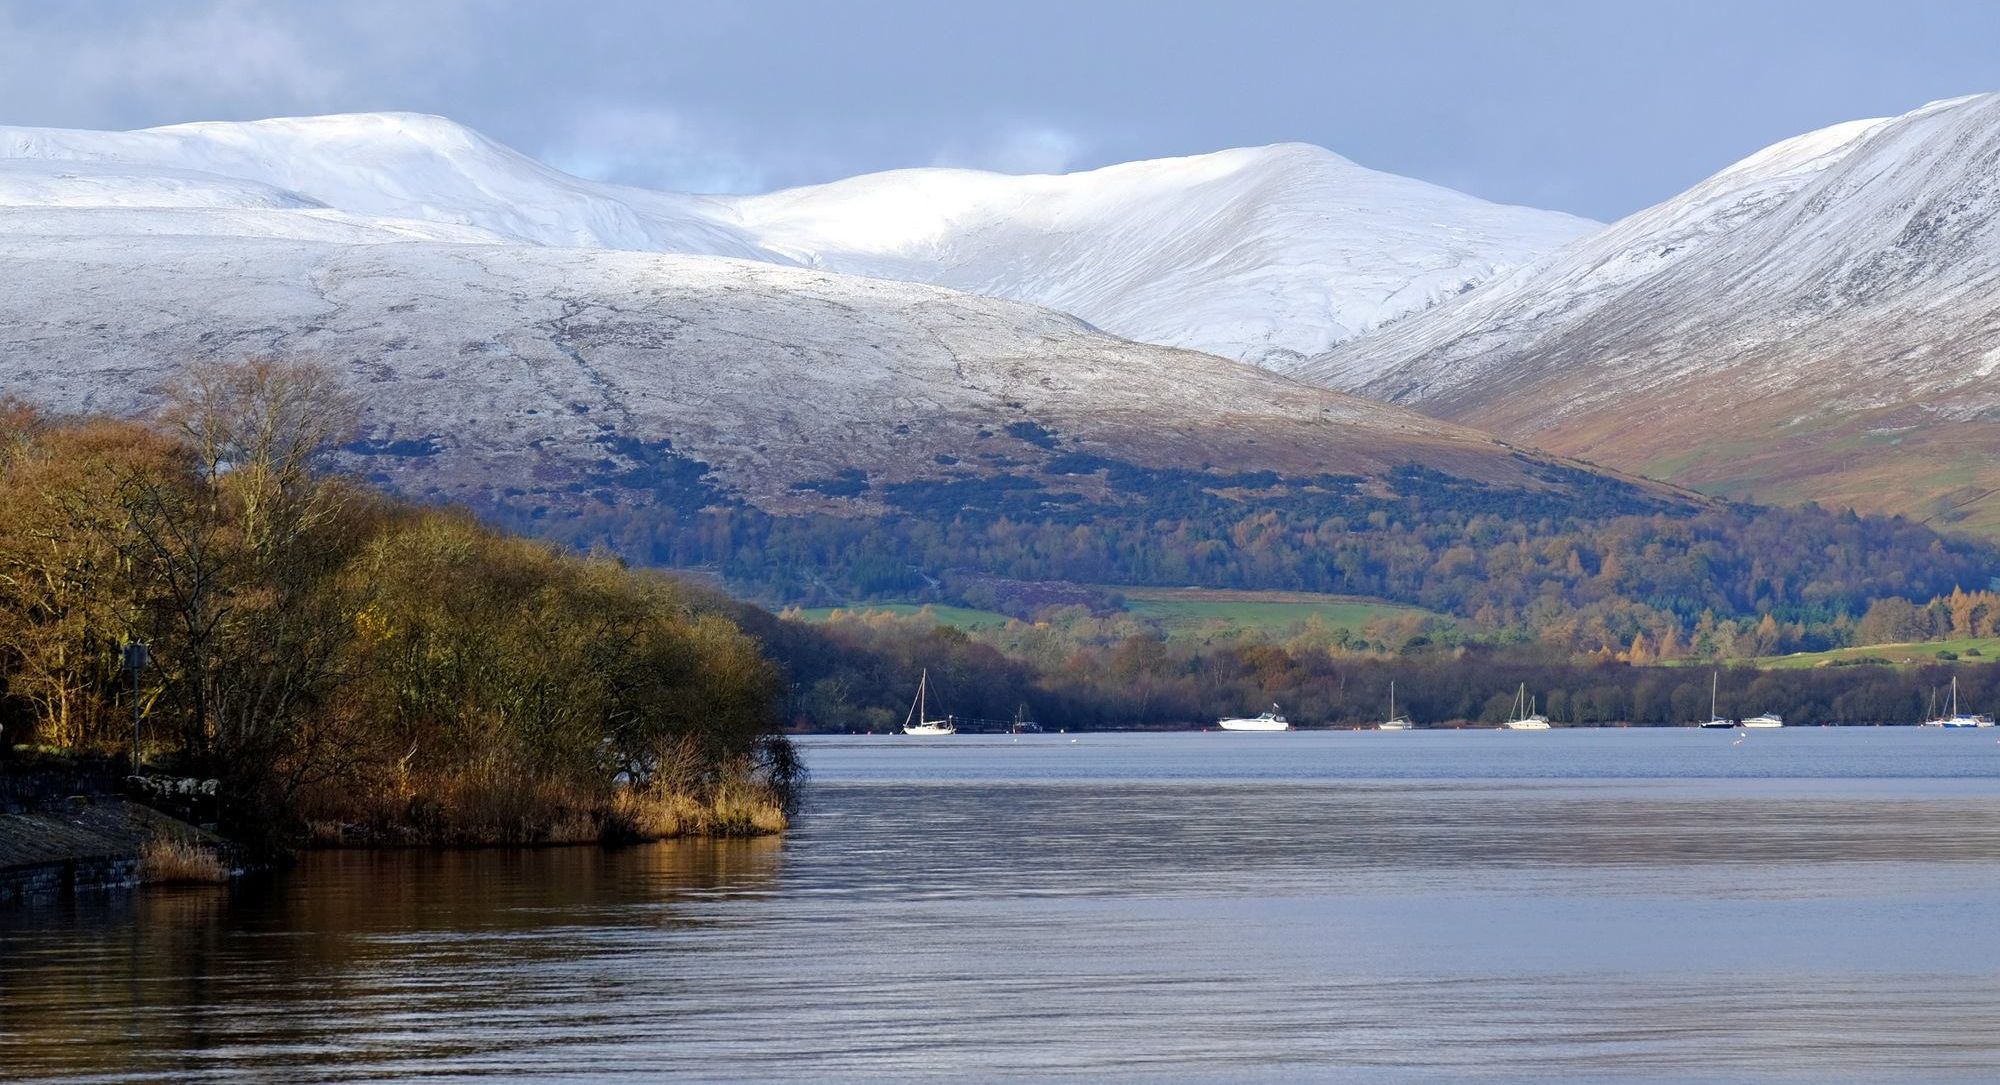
x=1267, y=721
x=1394, y=722
x=1955, y=718
x=1524, y=716
x=1717, y=722
x=918, y=721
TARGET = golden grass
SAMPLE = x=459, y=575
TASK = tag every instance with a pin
x=478, y=809
x=734, y=810
x=173, y=861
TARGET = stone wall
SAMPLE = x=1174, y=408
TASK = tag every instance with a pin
x=80, y=844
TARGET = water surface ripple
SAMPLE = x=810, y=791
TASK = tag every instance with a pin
x=1805, y=905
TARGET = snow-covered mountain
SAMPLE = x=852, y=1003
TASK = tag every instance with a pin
x=534, y=376
x=1819, y=321
x=1265, y=254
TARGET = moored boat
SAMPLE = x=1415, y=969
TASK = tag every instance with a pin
x=1524, y=717
x=1394, y=722
x=1955, y=718
x=918, y=721
x=1767, y=719
x=1267, y=721
x=1716, y=722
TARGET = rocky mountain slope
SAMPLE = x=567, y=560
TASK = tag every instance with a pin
x=1819, y=321
x=1263, y=254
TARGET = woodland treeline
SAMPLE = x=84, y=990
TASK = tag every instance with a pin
x=355, y=666
x=1896, y=620
x=856, y=673
x=350, y=665
x=1592, y=564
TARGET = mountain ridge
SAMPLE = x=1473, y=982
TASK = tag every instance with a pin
x=1261, y=254
x=1813, y=323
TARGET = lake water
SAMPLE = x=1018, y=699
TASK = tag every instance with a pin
x=1801, y=905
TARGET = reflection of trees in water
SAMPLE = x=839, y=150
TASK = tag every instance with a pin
x=353, y=956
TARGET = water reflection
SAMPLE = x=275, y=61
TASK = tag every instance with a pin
x=362, y=959
x=1112, y=909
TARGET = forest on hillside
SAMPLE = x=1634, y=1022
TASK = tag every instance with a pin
x=346, y=662
x=1591, y=561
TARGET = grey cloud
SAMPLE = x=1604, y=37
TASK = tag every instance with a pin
x=1588, y=107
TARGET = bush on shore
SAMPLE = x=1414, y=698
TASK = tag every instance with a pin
x=334, y=656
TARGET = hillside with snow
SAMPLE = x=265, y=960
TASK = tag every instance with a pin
x=1819, y=321
x=570, y=379
x=1265, y=254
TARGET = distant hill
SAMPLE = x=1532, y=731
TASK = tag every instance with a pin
x=1819, y=321
x=811, y=436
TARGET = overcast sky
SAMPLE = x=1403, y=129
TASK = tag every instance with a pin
x=1595, y=108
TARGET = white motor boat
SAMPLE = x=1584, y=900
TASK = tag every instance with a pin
x=1267, y=721
x=1955, y=718
x=1394, y=722
x=918, y=721
x=1768, y=719
x=1524, y=717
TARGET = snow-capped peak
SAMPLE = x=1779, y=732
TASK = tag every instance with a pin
x=1261, y=253
x=1814, y=321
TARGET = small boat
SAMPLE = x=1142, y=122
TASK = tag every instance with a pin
x=1268, y=721
x=1394, y=722
x=918, y=722
x=1524, y=717
x=1955, y=718
x=1768, y=719
x=1720, y=723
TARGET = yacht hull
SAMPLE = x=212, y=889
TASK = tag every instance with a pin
x=1252, y=725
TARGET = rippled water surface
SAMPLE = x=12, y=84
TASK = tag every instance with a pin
x=1803, y=905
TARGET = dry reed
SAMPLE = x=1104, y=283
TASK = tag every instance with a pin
x=481, y=809
x=168, y=860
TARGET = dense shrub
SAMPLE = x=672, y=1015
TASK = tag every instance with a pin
x=339, y=658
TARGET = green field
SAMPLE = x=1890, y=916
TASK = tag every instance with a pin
x=1191, y=610
x=958, y=617
x=1186, y=612
x=1969, y=650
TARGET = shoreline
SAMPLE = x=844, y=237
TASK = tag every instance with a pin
x=1194, y=729
x=89, y=843
x=70, y=827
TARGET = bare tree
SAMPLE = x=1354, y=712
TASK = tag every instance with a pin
x=234, y=554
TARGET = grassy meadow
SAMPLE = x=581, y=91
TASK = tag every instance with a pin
x=1184, y=613
x=1203, y=611
x=1960, y=650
